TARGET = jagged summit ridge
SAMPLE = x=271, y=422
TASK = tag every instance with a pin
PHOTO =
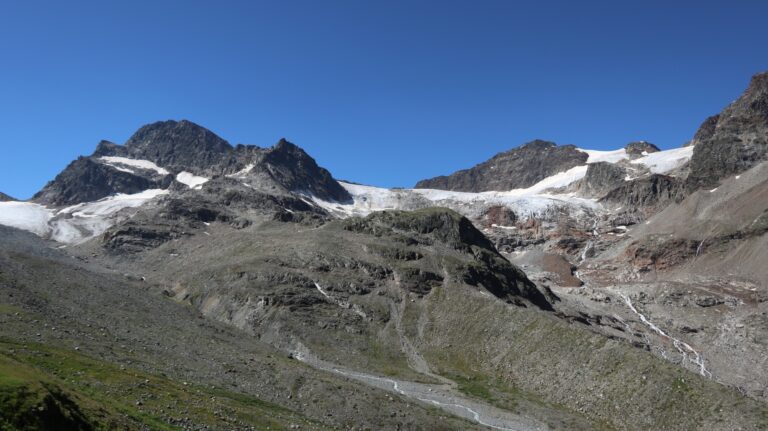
x=181, y=152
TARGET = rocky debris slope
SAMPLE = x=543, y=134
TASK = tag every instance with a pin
x=716, y=232
x=410, y=295
x=734, y=140
x=518, y=168
x=132, y=356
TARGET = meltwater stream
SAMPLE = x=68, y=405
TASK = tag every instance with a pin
x=682, y=347
x=437, y=395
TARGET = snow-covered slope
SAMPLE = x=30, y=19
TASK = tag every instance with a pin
x=665, y=161
x=26, y=216
x=73, y=224
x=613, y=156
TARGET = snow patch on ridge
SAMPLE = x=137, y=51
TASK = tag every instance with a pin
x=120, y=163
x=243, y=172
x=665, y=161
x=613, y=156
x=191, y=180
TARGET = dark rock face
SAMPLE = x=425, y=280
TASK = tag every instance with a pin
x=601, y=178
x=499, y=215
x=706, y=130
x=5, y=198
x=517, y=168
x=647, y=193
x=292, y=168
x=733, y=141
x=86, y=180
x=181, y=144
x=423, y=227
x=637, y=148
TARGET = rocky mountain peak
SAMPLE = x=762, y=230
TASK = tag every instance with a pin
x=107, y=148
x=637, y=148
x=5, y=198
x=758, y=83
x=181, y=143
x=539, y=144
x=291, y=167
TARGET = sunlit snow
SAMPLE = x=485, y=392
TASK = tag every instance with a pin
x=25, y=215
x=191, y=180
x=121, y=163
x=612, y=156
x=662, y=162
x=73, y=224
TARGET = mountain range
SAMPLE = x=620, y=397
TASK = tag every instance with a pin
x=176, y=281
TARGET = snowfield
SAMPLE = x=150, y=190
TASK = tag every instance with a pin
x=525, y=202
x=73, y=224
x=613, y=156
x=665, y=161
x=191, y=180
x=26, y=216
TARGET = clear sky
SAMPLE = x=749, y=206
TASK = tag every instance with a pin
x=379, y=92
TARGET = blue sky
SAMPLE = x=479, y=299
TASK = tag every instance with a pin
x=379, y=92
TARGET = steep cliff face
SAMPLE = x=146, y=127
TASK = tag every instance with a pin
x=734, y=140
x=646, y=195
x=601, y=178
x=517, y=168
